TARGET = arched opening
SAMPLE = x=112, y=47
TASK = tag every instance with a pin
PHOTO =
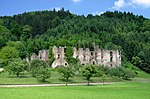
x=58, y=56
x=93, y=63
x=111, y=56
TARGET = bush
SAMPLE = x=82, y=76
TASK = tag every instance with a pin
x=43, y=74
x=121, y=72
x=39, y=69
x=88, y=71
x=16, y=66
x=66, y=72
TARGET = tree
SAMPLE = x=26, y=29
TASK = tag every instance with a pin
x=19, y=46
x=39, y=69
x=43, y=74
x=16, y=66
x=102, y=72
x=5, y=35
x=7, y=54
x=136, y=61
x=88, y=71
x=26, y=32
x=66, y=72
x=16, y=30
x=121, y=72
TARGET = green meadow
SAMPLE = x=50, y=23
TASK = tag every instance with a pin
x=138, y=88
x=26, y=78
x=124, y=90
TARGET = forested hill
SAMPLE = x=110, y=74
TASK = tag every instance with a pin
x=34, y=31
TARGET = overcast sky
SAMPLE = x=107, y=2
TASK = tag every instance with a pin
x=139, y=7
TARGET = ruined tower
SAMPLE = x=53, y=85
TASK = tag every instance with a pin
x=59, y=55
x=43, y=55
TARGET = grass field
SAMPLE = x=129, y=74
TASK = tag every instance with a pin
x=125, y=90
x=26, y=78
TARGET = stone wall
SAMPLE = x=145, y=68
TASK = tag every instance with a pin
x=43, y=55
x=59, y=55
x=110, y=58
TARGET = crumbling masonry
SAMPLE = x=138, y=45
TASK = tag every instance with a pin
x=110, y=58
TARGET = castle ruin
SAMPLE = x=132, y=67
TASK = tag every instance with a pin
x=110, y=58
x=59, y=55
x=42, y=55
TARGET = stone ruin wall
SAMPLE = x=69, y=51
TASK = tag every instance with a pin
x=110, y=58
x=59, y=55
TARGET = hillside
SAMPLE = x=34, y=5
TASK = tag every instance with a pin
x=34, y=31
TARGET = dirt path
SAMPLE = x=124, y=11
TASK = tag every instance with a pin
x=40, y=85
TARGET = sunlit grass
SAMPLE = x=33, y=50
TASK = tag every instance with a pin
x=125, y=90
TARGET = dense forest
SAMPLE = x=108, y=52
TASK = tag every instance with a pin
x=23, y=34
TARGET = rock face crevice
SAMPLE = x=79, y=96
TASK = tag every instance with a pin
x=110, y=58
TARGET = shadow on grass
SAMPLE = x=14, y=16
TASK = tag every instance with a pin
x=44, y=82
x=69, y=80
x=21, y=76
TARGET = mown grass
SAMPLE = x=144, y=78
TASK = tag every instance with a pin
x=125, y=90
x=26, y=78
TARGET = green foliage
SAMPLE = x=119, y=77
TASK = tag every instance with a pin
x=111, y=46
x=51, y=56
x=69, y=51
x=16, y=66
x=38, y=30
x=26, y=33
x=39, y=69
x=43, y=74
x=69, y=54
x=121, y=72
x=101, y=70
x=7, y=54
x=5, y=35
x=136, y=61
x=66, y=72
x=35, y=65
x=88, y=71
x=16, y=30
x=19, y=46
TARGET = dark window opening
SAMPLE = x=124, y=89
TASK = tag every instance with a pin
x=111, y=54
x=102, y=56
x=65, y=63
x=64, y=49
x=93, y=63
x=58, y=56
x=111, y=65
x=92, y=53
x=111, y=58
